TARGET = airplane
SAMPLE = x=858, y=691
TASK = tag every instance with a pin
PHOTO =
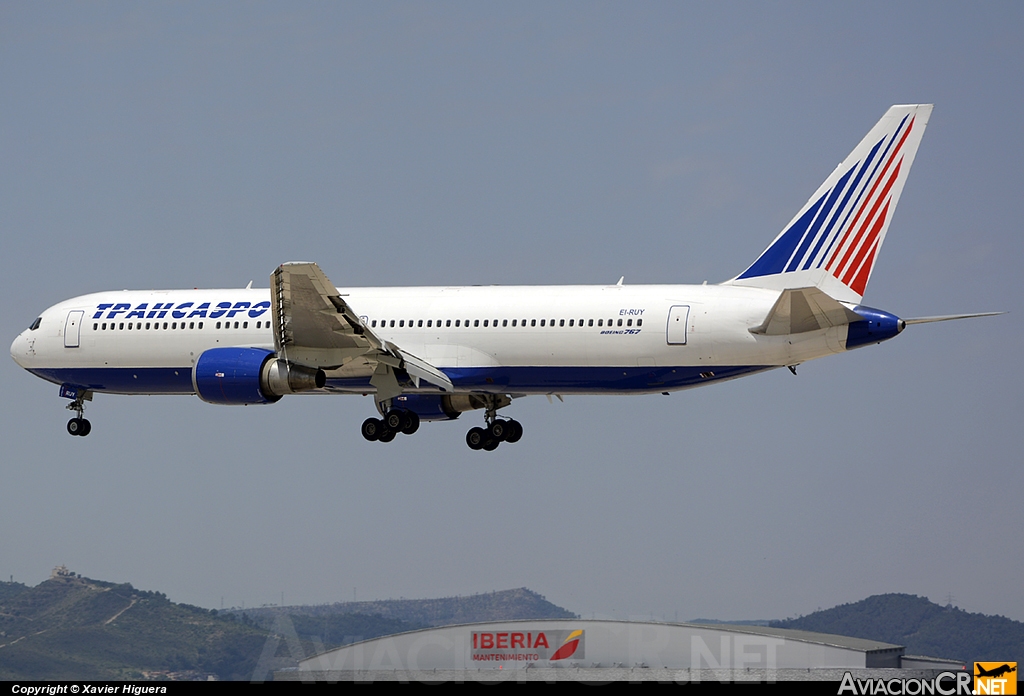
x=995, y=672
x=433, y=353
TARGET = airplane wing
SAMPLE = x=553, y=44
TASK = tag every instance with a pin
x=804, y=309
x=314, y=326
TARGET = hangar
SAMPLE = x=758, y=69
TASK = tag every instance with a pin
x=600, y=650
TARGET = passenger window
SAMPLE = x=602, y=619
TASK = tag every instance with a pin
x=533, y=322
x=121, y=326
x=513, y=322
x=542, y=322
x=401, y=323
x=200, y=325
x=95, y=326
x=191, y=325
x=570, y=322
x=392, y=323
x=504, y=322
x=457, y=323
x=419, y=323
x=448, y=322
x=236, y=324
x=429, y=323
x=600, y=322
x=639, y=322
x=104, y=326
x=372, y=323
x=485, y=323
x=590, y=322
x=620, y=322
x=476, y=322
x=218, y=324
x=147, y=326
x=245, y=325
x=129, y=326
x=561, y=322
x=629, y=322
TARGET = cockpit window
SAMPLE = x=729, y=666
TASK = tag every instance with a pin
x=35, y=324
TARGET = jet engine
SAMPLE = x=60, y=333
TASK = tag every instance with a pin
x=236, y=376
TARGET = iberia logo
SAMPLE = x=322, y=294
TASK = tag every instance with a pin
x=511, y=645
x=568, y=648
x=995, y=678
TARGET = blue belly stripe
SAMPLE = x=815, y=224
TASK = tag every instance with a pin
x=519, y=380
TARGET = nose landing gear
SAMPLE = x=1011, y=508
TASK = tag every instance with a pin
x=79, y=425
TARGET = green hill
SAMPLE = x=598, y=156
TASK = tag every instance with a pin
x=925, y=628
x=504, y=605
x=71, y=627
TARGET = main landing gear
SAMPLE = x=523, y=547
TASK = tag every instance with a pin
x=399, y=420
x=395, y=421
x=79, y=425
x=498, y=430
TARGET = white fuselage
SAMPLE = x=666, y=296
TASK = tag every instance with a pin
x=523, y=340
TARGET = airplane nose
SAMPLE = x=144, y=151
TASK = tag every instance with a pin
x=19, y=349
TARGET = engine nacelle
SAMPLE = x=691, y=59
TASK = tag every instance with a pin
x=435, y=407
x=239, y=376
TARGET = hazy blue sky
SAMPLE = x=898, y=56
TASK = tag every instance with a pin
x=151, y=145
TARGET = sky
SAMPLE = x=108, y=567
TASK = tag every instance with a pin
x=180, y=145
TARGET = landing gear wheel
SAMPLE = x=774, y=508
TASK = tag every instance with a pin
x=86, y=427
x=75, y=426
x=475, y=438
x=410, y=422
x=393, y=420
x=491, y=444
x=387, y=436
x=513, y=431
x=498, y=430
x=372, y=429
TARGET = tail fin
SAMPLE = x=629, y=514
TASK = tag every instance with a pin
x=834, y=240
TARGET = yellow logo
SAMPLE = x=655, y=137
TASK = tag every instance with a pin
x=995, y=678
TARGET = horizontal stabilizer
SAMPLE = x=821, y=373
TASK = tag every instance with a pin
x=804, y=309
x=949, y=317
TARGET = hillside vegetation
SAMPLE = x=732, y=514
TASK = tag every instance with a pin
x=925, y=628
x=76, y=628
x=505, y=605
